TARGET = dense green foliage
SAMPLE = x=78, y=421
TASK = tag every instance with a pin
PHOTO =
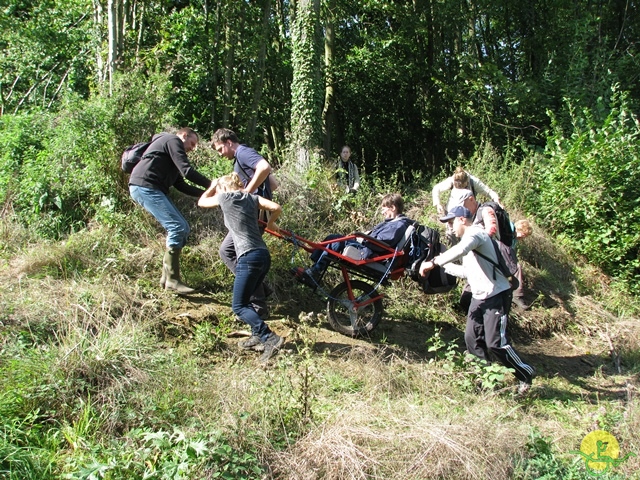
x=60, y=169
x=416, y=82
x=588, y=188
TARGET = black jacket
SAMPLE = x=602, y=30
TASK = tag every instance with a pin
x=165, y=164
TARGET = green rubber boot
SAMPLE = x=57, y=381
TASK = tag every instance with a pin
x=171, y=267
x=165, y=263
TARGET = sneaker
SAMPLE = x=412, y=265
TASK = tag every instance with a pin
x=252, y=343
x=519, y=302
x=271, y=346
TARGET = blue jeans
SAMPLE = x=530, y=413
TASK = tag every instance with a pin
x=162, y=208
x=251, y=269
x=228, y=255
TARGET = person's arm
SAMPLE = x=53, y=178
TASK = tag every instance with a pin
x=272, y=207
x=209, y=199
x=211, y=191
x=490, y=222
x=356, y=177
x=262, y=171
x=484, y=189
x=443, y=186
x=175, y=148
x=187, y=189
x=466, y=244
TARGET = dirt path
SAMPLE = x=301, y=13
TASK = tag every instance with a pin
x=587, y=364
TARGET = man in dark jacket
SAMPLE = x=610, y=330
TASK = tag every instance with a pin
x=164, y=165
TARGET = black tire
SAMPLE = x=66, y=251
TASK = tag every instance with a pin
x=368, y=316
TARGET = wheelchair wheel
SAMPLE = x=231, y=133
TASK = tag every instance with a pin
x=348, y=320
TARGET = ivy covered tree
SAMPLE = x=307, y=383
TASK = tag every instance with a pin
x=307, y=87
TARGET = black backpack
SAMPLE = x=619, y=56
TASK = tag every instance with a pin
x=424, y=244
x=132, y=155
x=505, y=227
x=507, y=262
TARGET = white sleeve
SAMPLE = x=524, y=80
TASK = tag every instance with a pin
x=443, y=186
x=481, y=187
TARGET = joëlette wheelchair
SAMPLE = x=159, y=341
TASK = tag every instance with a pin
x=354, y=306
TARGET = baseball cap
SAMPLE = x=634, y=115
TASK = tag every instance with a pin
x=456, y=212
x=464, y=194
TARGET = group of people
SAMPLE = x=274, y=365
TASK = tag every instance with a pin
x=241, y=195
x=246, y=192
x=488, y=294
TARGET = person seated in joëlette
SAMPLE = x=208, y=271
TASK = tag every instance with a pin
x=390, y=231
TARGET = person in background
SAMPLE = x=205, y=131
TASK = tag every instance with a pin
x=256, y=175
x=488, y=312
x=523, y=229
x=164, y=165
x=240, y=210
x=347, y=174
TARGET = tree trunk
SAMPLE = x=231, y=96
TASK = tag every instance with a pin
x=262, y=54
x=212, y=56
x=139, y=25
x=306, y=87
x=329, y=111
x=112, y=28
x=98, y=19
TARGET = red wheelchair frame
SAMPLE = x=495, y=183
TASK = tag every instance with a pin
x=354, y=307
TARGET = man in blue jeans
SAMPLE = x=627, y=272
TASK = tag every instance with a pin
x=164, y=165
x=255, y=172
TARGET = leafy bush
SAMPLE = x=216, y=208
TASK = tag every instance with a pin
x=542, y=461
x=60, y=170
x=588, y=189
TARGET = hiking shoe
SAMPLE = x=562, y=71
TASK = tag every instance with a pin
x=305, y=276
x=252, y=343
x=519, y=302
x=271, y=346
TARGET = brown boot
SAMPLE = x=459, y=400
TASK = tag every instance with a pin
x=171, y=265
x=519, y=303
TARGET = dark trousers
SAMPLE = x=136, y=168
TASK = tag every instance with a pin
x=228, y=255
x=486, y=332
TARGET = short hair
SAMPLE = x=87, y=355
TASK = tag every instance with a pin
x=188, y=132
x=524, y=227
x=223, y=134
x=231, y=181
x=393, y=200
x=460, y=178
